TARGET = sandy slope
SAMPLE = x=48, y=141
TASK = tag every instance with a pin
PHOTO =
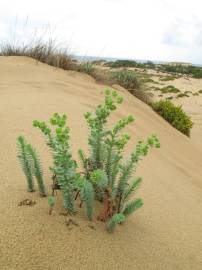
x=165, y=234
x=192, y=105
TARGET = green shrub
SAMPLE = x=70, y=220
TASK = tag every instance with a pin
x=127, y=79
x=106, y=175
x=180, y=95
x=197, y=73
x=200, y=91
x=86, y=67
x=167, y=78
x=122, y=63
x=169, y=89
x=174, y=115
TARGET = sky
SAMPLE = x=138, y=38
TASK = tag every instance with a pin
x=164, y=30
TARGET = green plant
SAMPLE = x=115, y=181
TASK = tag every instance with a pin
x=86, y=67
x=121, y=63
x=182, y=95
x=64, y=167
x=167, y=78
x=169, y=89
x=106, y=175
x=51, y=203
x=37, y=169
x=25, y=162
x=174, y=115
x=200, y=91
x=127, y=79
x=31, y=165
x=105, y=167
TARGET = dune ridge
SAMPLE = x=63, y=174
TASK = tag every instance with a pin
x=165, y=234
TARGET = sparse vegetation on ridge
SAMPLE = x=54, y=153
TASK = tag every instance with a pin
x=106, y=175
x=45, y=52
x=49, y=53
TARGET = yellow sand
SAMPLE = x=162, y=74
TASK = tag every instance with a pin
x=165, y=234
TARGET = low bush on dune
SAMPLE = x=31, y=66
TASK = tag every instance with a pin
x=167, y=78
x=169, y=89
x=127, y=79
x=86, y=67
x=174, y=115
x=121, y=63
x=180, y=95
x=106, y=176
x=129, y=64
x=133, y=83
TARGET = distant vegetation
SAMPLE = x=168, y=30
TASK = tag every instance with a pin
x=106, y=176
x=169, y=89
x=180, y=95
x=167, y=78
x=129, y=63
x=86, y=67
x=195, y=72
x=174, y=115
x=127, y=79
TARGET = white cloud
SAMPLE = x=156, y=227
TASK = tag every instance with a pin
x=158, y=29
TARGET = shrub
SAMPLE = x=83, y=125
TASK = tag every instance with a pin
x=106, y=176
x=122, y=63
x=127, y=79
x=86, y=67
x=180, y=95
x=197, y=73
x=167, y=78
x=174, y=115
x=169, y=89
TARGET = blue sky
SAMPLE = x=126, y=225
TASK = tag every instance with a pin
x=166, y=30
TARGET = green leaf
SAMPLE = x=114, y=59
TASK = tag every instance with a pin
x=132, y=206
x=51, y=201
x=87, y=195
x=115, y=219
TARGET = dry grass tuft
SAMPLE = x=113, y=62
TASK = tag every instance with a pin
x=45, y=52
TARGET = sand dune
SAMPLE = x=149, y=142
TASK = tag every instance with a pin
x=165, y=234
